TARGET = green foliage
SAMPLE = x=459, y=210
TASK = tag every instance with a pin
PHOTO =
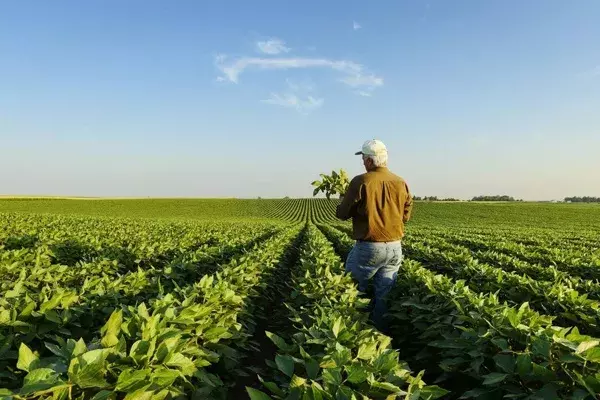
x=336, y=183
x=485, y=347
x=335, y=353
x=493, y=301
x=165, y=309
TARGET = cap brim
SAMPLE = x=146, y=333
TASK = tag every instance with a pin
x=358, y=152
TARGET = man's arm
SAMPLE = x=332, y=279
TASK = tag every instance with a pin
x=346, y=209
x=408, y=205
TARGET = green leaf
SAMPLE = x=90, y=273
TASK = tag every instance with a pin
x=131, y=380
x=79, y=348
x=256, y=394
x=39, y=379
x=297, y=382
x=272, y=386
x=279, y=342
x=337, y=326
x=541, y=347
x=344, y=393
x=390, y=387
x=105, y=395
x=501, y=343
x=494, y=378
x=139, y=350
x=583, y=346
x=27, y=360
x=505, y=362
x=52, y=315
x=386, y=361
x=182, y=362
x=433, y=392
x=164, y=377
x=524, y=364
x=367, y=351
x=217, y=333
x=110, y=331
x=542, y=373
x=356, y=373
x=548, y=392
x=342, y=355
x=57, y=350
x=285, y=364
x=87, y=370
x=592, y=355
x=52, y=303
x=140, y=394
x=166, y=349
x=312, y=368
x=333, y=376
x=317, y=391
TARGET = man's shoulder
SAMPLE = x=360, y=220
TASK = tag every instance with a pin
x=396, y=177
x=359, y=179
x=377, y=176
x=384, y=174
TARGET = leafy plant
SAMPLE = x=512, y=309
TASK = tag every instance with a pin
x=336, y=183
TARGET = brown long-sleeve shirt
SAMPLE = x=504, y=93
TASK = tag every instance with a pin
x=379, y=203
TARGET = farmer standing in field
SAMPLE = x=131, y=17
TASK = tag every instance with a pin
x=379, y=203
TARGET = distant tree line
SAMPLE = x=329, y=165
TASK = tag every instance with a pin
x=584, y=199
x=494, y=198
x=434, y=198
x=476, y=198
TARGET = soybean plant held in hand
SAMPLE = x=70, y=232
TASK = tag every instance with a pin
x=336, y=183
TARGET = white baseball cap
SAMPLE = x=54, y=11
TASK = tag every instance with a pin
x=372, y=148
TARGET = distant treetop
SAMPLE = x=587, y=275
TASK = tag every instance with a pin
x=584, y=199
x=494, y=198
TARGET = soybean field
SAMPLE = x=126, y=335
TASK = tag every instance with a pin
x=237, y=299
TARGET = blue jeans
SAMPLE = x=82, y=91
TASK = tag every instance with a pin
x=380, y=261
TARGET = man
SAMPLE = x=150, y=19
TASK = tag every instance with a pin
x=379, y=203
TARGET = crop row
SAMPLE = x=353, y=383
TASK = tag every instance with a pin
x=510, y=263
x=578, y=261
x=168, y=346
x=552, y=298
x=297, y=210
x=483, y=347
x=333, y=353
x=542, y=261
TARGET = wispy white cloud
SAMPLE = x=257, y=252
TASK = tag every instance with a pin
x=356, y=26
x=272, y=46
x=290, y=100
x=359, y=80
x=353, y=74
x=300, y=96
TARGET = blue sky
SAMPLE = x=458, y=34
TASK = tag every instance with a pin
x=246, y=99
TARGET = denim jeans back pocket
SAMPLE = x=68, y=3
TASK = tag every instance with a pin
x=395, y=255
x=371, y=254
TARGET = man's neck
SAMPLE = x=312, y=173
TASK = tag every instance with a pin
x=383, y=167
